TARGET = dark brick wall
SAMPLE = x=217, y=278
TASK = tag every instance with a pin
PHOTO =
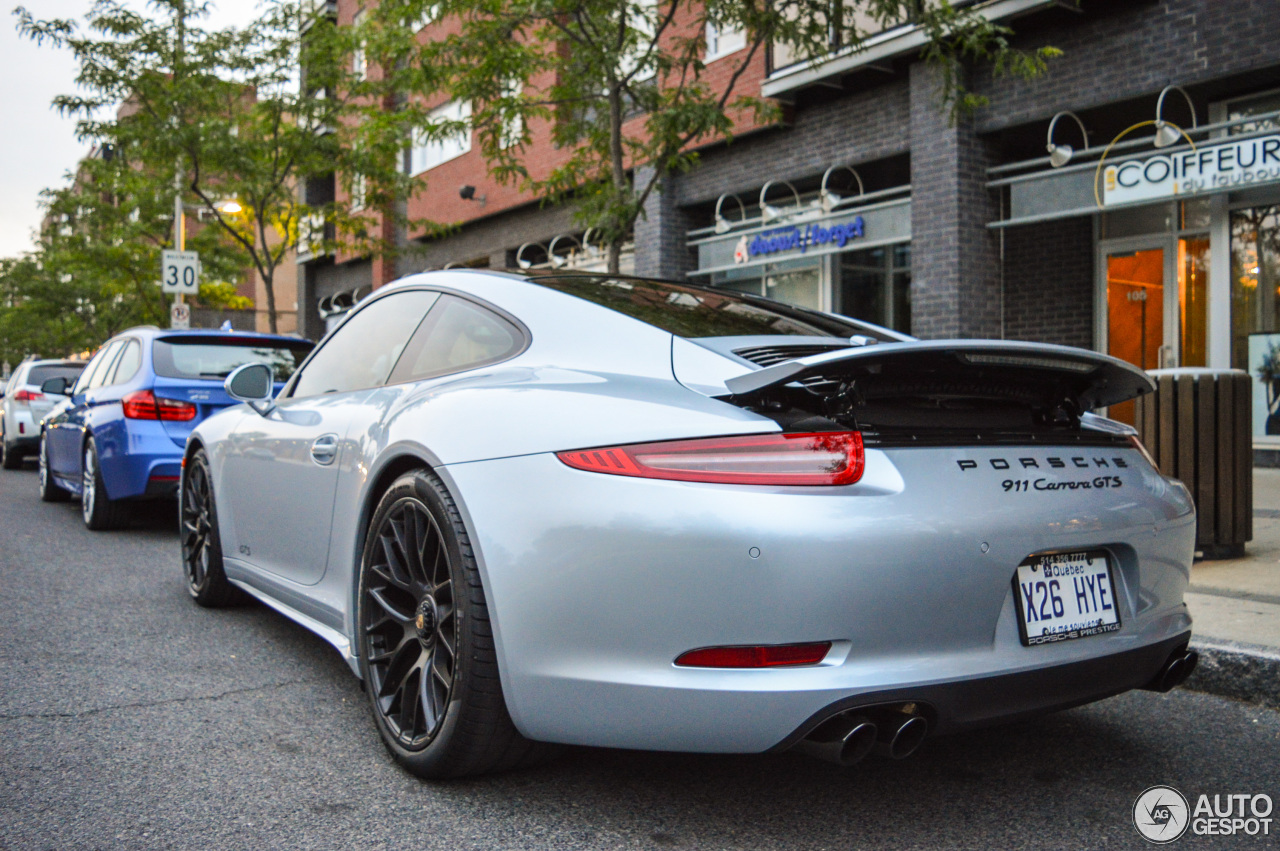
x=827, y=128
x=1049, y=282
x=493, y=238
x=661, y=233
x=1123, y=49
x=955, y=269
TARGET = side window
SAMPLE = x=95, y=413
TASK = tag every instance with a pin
x=94, y=373
x=362, y=352
x=457, y=335
x=127, y=364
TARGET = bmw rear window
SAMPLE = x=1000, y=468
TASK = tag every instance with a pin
x=216, y=357
x=40, y=374
x=690, y=311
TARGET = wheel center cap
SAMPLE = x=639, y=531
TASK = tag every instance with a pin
x=425, y=621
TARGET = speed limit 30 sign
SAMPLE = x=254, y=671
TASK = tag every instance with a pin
x=180, y=272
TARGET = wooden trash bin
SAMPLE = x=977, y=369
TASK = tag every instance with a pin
x=1197, y=425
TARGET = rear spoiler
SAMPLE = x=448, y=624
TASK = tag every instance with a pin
x=1091, y=380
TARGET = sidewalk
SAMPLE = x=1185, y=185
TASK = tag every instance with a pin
x=1235, y=604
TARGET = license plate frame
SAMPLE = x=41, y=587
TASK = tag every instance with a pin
x=1066, y=567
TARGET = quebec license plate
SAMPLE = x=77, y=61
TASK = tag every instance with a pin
x=1065, y=596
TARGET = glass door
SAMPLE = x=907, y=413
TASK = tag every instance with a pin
x=1157, y=306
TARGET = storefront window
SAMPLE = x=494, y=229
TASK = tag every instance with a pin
x=875, y=286
x=1193, y=300
x=1255, y=277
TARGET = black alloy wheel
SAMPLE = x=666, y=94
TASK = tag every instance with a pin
x=412, y=631
x=201, y=543
x=425, y=644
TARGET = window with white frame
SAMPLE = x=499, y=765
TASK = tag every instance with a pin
x=722, y=40
x=427, y=153
x=641, y=17
x=359, y=62
x=513, y=128
x=358, y=191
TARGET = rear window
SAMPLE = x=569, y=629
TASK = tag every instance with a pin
x=689, y=311
x=40, y=374
x=217, y=357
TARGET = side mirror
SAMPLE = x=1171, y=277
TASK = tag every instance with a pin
x=57, y=386
x=251, y=383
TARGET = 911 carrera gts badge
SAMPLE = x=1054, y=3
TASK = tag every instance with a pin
x=1050, y=463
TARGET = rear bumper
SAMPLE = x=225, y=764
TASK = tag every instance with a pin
x=139, y=460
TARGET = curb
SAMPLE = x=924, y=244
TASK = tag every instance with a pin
x=1245, y=672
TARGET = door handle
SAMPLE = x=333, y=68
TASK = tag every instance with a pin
x=324, y=449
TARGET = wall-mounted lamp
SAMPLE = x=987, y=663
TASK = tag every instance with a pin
x=468, y=193
x=1060, y=155
x=1167, y=133
x=723, y=224
x=588, y=247
x=558, y=261
x=770, y=213
x=827, y=199
x=520, y=258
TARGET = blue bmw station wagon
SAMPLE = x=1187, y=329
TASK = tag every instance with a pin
x=120, y=434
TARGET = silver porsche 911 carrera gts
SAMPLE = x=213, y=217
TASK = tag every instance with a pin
x=637, y=514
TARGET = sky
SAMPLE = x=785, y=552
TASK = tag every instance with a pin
x=37, y=147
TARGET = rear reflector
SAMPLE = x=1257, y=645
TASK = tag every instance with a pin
x=144, y=405
x=772, y=656
x=830, y=458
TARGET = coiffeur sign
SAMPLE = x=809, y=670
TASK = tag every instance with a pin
x=1207, y=169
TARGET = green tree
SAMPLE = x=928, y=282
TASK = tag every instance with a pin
x=621, y=82
x=219, y=115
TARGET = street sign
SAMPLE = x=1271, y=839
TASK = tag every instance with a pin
x=180, y=317
x=180, y=272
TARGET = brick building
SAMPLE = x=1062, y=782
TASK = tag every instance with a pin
x=868, y=201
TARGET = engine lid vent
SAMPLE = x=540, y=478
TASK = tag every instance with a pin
x=770, y=355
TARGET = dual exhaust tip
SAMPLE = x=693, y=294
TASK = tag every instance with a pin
x=847, y=738
x=898, y=732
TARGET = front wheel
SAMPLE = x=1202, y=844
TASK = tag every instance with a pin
x=100, y=512
x=425, y=643
x=201, y=544
x=50, y=491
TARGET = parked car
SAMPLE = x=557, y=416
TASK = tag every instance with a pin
x=120, y=435
x=635, y=514
x=24, y=404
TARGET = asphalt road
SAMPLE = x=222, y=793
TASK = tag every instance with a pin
x=130, y=718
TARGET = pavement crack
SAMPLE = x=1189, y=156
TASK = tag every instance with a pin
x=153, y=703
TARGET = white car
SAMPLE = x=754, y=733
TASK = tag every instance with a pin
x=25, y=404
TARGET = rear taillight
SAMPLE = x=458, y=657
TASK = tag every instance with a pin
x=1137, y=444
x=830, y=458
x=768, y=656
x=25, y=395
x=143, y=405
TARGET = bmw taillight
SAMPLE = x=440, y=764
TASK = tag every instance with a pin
x=829, y=458
x=145, y=405
x=767, y=656
x=25, y=395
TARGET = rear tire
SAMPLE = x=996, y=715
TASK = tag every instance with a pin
x=425, y=644
x=50, y=491
x=100, y=512
x=10, y=458
x=201, y=543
